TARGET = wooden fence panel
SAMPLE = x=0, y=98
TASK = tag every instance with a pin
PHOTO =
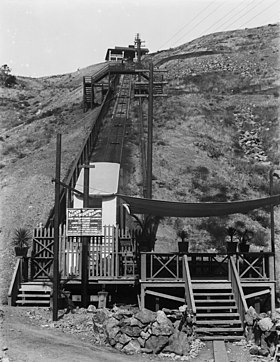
x=106, y=258
x=42, y=253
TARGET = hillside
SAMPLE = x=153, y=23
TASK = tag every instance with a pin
x=216, y=136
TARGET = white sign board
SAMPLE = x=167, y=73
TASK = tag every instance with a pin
x=84, y=222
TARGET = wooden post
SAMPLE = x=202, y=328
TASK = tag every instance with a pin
x=56, y=230
x=142, y=296
x=271, y=212
x=85, y=240
x=150, y=134
x=272, y=298
x=92, y=94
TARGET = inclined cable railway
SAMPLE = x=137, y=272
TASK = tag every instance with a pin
x=116, y=132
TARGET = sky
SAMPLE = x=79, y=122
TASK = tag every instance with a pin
x=49, y=37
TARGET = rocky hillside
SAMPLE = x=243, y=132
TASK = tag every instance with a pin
x=217, y=133
x=216, y=137
x=32, y=113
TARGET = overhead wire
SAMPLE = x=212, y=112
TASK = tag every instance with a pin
x=268, y=7
x=259, y=3
x=212, y=12
x=226, y=15
x=187, y=24
x=228, y=21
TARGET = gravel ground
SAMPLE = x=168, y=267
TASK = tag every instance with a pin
x=28, y=334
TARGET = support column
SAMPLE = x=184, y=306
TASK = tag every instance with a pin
x=85, y=240
x=150, y=134
x=56, y=229
x=142, y=296
x=272, y=298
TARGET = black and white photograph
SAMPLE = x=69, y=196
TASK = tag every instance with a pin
x=139, y=180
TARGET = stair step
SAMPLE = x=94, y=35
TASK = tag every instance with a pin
x=226, y=301
x=211, y=286
x=30, y=301
x=221, y=338
x=218, y=330
x=33, y=287
x=34, y=295
x=219, y=307
x=217, y=315
x=213, y=295
x=222, y=322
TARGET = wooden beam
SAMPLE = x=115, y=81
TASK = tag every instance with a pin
x=56, y=229
x=166, y=296
x=220, y=353
x=257, y=294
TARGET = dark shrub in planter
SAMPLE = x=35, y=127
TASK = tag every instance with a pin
x=183, y=245
x=21, y=241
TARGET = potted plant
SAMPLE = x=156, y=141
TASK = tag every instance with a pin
x=146, y=231
x=21, y=241
x=231, y=245
x=183, y=245
x=244, y=237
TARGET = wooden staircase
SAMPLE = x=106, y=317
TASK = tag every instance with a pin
x=217, y=317
x=33, y=294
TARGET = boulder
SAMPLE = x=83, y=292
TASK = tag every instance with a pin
x=254, y=350
x=110, y=323
x=265, y=324
x=132, y=331
x=135, y=322
x=162, y=326
x=123, y=339
x=123, y=313
x=176, y=324
x=111, y=330
x=112, y=335
x=91, y=308
x=183, y=308
x=132, y=347
x=118, y=346
x=146, y=350
x=178, y=344
x=156, y=343
x=100, y=315
x=251, y=316
x=145, y=335
x=263, y=352
x=164, y=329
x=146, y=316
x=141, y=342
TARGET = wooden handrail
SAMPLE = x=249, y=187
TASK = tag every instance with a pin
x=237, y=290
x=86, y=148
x=188, y=285
x=15, y=284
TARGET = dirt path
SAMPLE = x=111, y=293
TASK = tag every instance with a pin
x=23, y=339
x=29, y=342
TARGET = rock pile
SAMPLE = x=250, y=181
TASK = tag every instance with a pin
x=129, y=329
x=250, y=138
x=263, y=330
x=148, y=332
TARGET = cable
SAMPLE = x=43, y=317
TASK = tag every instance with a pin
x=247, y=12
x=187, y=24
x=219, y=6
x=277, y=1
x=230, y=12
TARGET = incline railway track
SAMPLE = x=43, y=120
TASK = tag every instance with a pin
x=111, y=138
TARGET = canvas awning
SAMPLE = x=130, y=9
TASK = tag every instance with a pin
x=200, y=209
